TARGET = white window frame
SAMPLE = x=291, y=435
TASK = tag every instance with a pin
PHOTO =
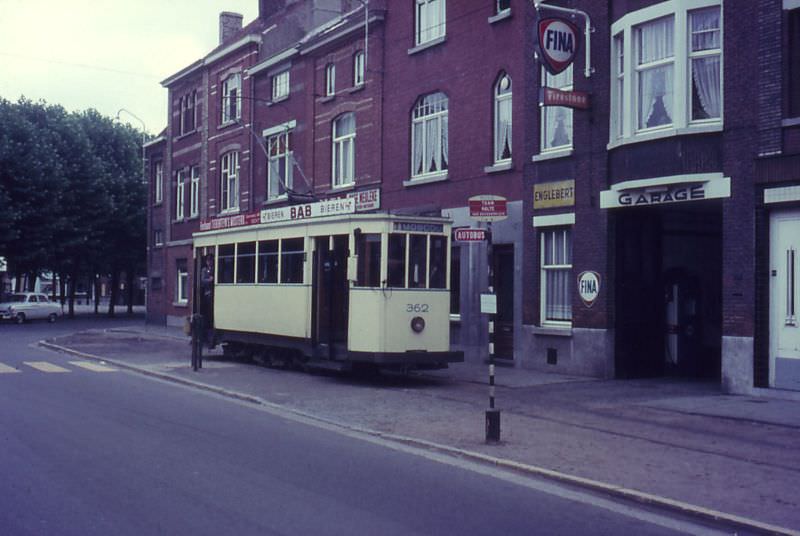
x=425, y=113
x=159, y=182
x=181, y=280
x=330, y=79
x=498, y=8
x=180, y=194
x=280, y=85
x=358, y=68
x=624, y=107
x=194, y=192
x=545, y=268
x=564, y=81
x=158, y=238
x=229, y=182
x=231, y=97
x=285, y=158
x=430, y=20
x=343, y=153
x=503, y=98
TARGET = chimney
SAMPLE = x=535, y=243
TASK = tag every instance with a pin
x=229, y=25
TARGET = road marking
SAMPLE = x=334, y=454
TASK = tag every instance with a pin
x=94, y=367
x=5, y=369
x=44, y=366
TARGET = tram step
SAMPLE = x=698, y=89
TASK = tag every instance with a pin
x=324, y=364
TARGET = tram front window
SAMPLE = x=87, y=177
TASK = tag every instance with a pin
x=368, y=247
x=396, y=268
x=417, y=260
x=226, y=260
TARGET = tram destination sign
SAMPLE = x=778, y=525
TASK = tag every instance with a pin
x=329, y=207
x=488, y=208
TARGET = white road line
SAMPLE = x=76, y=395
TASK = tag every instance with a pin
x=44, y=366
x=5, y=369
x=94, y=367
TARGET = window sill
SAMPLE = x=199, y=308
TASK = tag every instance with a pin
x=666, y=133
x=275, y=200
x=327, y=98
x=186, y=134
x=499, y=167
x=227, y=124
x=182, y=305
x=551, y=155
x=791, y=122
x=357, y=88
x=278, y=100
x=427, y=44
x=441, y=177
x=229, y=212
x=553, y=331
x=350, y=186
x=503, y=15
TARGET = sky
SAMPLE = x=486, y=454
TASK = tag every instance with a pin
x=106, y=54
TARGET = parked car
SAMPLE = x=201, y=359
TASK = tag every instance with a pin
x=29, y=306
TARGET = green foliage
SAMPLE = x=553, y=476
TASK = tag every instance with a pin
x=71, y=194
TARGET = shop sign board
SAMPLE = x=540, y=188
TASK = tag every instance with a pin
x=226, y=222
x=557, y=40
x=328, y=207
x=554, y=194
x=367, y=200
x=589, y=287
x=549, y=96
x=489, y=304
x=469, y=234
x=488, y=208
x=669, y=193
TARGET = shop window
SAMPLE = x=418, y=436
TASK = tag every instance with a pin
x=268, y=261
x=292, y=257
x=226, y=259
x=368, y=249
x=246, y=262
x=556, y=275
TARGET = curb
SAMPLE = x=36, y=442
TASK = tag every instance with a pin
x=698, y=512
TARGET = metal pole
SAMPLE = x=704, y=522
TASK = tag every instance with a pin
x=492, y=414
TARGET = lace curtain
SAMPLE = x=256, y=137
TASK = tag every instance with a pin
x=706, y=102
x=656, y=83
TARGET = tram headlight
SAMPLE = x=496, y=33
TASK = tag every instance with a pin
x=417, y=324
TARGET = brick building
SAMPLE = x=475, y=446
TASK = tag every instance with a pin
x=650, y=234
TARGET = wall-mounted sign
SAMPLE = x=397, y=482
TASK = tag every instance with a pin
x=554, y=194
x=469, y=234
x=549, y=96
x=226, y=222
x=417, y=227
x=589, y=287
x=329, y=207
x=557, y=40
x=488, y=208
x=367, y=200
x=489, y=304
x=714, y=188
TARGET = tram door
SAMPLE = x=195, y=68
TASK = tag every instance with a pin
x=330, y=293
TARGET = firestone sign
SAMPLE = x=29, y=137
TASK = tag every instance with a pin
x=557, y=42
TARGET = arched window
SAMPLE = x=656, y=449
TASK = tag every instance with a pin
x=344, y=150
x=502, y=119
x=429, y=152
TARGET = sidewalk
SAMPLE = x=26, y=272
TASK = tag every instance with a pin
x=675, y=440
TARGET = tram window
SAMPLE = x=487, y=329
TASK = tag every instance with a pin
x=246, y=262
x=226, y=258
x=292, y=253
x=268, y=261
x=368, y=247
x=438, y=262
x=455, y=281
x=417, y=261
x=397, y=261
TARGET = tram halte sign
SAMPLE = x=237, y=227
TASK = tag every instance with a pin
x=488, y=208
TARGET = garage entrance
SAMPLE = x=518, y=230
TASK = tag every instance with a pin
x=668, y=290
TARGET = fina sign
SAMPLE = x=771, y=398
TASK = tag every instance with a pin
x=589, y=287
x=557, y=42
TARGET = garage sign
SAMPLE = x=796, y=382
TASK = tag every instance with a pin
x=557, y=40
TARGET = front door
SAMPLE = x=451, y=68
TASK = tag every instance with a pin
x=785, y=300
x=503, y=257
x=330, y=294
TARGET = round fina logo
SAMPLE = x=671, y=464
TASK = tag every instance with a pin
x=558, y=43
x=589, y=287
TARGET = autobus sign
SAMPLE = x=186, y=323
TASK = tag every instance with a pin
x=468, y=234
x=488, y=208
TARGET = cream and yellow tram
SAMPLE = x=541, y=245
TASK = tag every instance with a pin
x=336, y=291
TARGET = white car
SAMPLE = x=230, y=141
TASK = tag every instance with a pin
x=29, y=306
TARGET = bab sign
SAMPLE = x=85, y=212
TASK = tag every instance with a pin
x=557, y=42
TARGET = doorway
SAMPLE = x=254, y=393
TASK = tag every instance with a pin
x=668, y=291
x=331, y=296
x=503, y=266
x=785, y=300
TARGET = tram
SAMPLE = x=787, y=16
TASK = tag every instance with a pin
x=339, y=291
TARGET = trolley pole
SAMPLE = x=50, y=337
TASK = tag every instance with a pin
x=492, y=414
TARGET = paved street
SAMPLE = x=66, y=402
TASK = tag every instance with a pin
x=89, y=448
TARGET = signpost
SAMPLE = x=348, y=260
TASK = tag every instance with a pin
x=469, y=234
x=490, y=208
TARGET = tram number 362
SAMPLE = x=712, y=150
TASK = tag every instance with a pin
x=417, y=308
